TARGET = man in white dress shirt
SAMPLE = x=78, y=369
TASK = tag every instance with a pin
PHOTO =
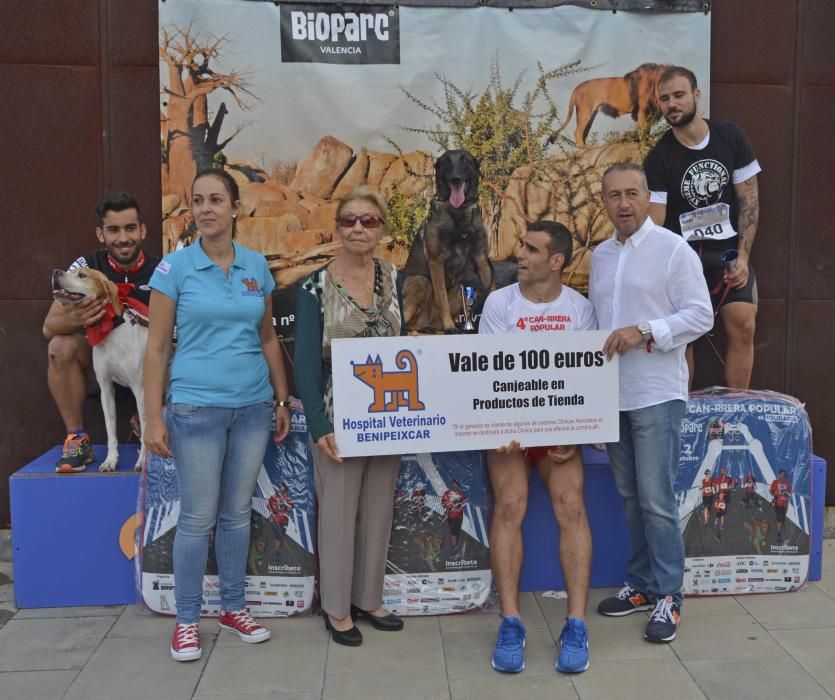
x=647, y=287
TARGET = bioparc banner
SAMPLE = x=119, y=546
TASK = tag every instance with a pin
x=302, y=102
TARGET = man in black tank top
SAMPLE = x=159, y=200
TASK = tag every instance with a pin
x=120, y=231
x=702, y=177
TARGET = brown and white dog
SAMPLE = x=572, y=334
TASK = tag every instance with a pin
x=118, y=351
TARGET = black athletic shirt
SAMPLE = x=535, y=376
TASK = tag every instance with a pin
x=698, y=178
x=138, y=278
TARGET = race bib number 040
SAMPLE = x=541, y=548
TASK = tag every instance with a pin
x=708, y=223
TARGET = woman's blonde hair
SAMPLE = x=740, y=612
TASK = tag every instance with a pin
x=370, y=195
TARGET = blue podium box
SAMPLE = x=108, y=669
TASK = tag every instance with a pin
x=818, y=517
x=610, y=538
x=66, y=529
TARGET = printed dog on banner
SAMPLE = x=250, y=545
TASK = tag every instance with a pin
x=744, y=492
x=280, y=568
x=439, y=552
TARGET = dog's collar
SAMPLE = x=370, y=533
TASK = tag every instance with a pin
x=134, y=316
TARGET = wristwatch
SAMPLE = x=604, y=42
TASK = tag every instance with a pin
x=646, y=334
x=284, y=403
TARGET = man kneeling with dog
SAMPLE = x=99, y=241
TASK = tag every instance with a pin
x=121, y=259
x=546, y=250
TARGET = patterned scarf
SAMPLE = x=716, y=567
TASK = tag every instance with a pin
x=344, y=318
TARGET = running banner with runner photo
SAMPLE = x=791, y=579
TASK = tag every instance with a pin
x=744, y=492
x=439, y=553
x=280, y=569
x=473, y=392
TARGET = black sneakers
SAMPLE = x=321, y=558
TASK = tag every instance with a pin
x=664, y=620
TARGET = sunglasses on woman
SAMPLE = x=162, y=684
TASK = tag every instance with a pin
x=367, y=220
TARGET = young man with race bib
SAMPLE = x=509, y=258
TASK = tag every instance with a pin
x=702, y=177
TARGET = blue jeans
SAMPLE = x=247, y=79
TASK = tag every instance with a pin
x=218, y=453
x=644, y=464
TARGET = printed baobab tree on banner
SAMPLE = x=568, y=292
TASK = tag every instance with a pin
x=191, y=137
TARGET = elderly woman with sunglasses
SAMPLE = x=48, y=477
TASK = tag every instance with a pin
x=354, y=296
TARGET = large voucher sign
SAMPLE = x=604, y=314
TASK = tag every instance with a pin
x=472, y=392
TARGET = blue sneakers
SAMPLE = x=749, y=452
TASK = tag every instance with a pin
x=574, y=647
x=509, y=657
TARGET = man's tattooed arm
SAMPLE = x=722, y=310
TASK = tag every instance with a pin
x=749, y=214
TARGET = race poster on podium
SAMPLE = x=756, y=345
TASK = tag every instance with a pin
x=413, y=394
x=438, y=559
x=280, y=562
x=744, y=490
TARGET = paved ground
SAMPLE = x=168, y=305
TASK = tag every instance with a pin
x=769, y=646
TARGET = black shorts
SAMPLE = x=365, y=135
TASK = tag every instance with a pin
x=780, y=513
x=715, y=272
x=707, y=502
x=455, y=525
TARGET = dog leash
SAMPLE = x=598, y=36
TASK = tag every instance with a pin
x=286, y=351
x=723, y=286
x=727, y=288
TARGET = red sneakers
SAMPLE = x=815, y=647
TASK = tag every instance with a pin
x=244, y=626
x=185, y=645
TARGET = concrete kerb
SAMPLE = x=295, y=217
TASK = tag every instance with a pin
x=829, y=523
x=6, y=544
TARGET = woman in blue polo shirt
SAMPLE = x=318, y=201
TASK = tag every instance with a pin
x=225, y=374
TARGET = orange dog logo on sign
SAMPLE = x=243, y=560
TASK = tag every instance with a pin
x=392, y=390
